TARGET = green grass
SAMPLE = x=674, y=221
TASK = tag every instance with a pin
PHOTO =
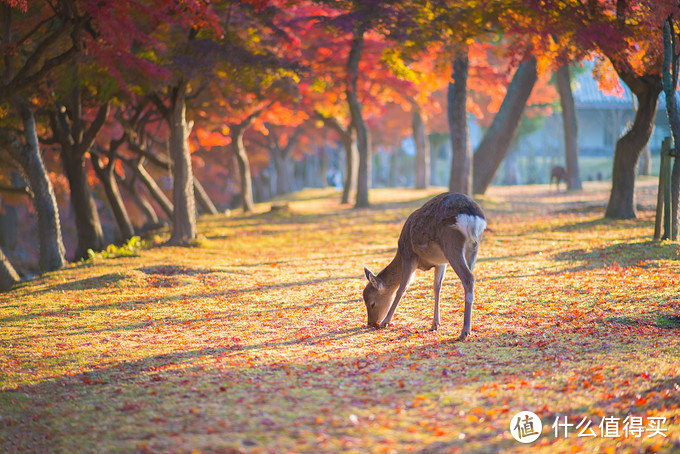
x=253, y=340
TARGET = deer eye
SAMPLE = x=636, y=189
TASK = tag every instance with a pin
x=372, y=305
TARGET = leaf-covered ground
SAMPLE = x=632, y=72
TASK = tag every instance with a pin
x=254, y=341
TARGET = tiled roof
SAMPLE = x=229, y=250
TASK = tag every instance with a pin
x=587, y=94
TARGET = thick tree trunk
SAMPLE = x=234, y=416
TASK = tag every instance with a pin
x=422, y=149
x=203, y=198
x=362, y=140
x=645, y=163
x=52, y=254
x=570, y=127
x=184, y=202
x=461, y=160
x=75, y=141
x=283, y=167
x=8, y=275
x=498, y=138
x=88, y=224
x=621, y=203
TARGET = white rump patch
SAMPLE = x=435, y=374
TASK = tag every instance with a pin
x=471, y=226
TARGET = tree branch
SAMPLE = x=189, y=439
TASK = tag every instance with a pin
x=91, y=133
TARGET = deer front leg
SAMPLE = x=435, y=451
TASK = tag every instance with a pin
x=439, y=272
x=456, y=258
x=408, y=267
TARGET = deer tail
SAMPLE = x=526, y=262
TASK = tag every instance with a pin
x=471, y=226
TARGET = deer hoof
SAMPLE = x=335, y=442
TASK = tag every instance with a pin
x=434, y=327
x=383, y=325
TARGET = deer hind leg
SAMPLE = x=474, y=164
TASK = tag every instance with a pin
x=408, y=267
x=456, y=257
x=439, y=272
x=471, y=255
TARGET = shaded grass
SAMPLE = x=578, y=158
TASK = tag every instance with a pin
x=254, y=340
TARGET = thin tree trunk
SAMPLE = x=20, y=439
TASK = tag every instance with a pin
x=52, y=253
x=323, y=168
x=364, y=173
x=621, y=203
x=570, y=127
x=351, y=155
x=203, y=198
x=422, y=148
x=239, y=150
x=498, y=138
x=461, y=160
x=184, y=202
x=156, y=192
x=8, y=275
x=142, y=203
x=108, y=179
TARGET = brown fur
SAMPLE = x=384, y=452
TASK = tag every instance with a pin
x=428, y=239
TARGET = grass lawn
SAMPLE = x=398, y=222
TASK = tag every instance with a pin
x=254, y=340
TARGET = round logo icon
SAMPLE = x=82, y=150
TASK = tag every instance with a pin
x=526, y=427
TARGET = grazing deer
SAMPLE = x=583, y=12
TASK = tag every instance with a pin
x=446, y=230
x=558, y=173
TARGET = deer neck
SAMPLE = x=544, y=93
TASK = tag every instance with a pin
x=391, y=275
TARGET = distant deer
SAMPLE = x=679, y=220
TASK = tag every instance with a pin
x=558, y=173
x=446, y=230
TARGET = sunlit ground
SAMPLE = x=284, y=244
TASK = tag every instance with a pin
x=254, y=339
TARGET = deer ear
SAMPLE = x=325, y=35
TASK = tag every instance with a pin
x=373, y=279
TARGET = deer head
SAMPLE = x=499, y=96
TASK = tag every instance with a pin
x=377, y=297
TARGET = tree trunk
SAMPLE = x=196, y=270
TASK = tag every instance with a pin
x=422, y=149
x=283, y=167
x=570, y=127
x=8, y=275
x=52, y=254
x=364, y=173
x=108, y=179
x=75, y=141
x=351, y=167
x=184, y=202
x=670, y=82
x=645, y=165
x=323, y=168
x=142, y=203
x=621, y=203
x=156, y=192
x=498, y=138
x=239, y=150
x=461, y=160
x=203, y=198
x=88, y=224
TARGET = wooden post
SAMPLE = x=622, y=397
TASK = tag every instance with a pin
x=666, y=159
x=665, y=146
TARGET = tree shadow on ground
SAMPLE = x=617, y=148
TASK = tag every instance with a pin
x=621, y=255
x=174, y=401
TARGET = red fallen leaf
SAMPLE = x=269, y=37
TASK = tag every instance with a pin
x=641, y=401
